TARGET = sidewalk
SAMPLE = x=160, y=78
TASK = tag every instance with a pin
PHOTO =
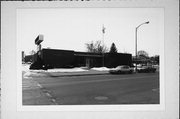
x=33, y=94
x=83, y=73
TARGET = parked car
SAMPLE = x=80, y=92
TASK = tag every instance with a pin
x=146, y=69
x=123, y=69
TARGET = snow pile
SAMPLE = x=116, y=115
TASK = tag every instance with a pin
x=41, y=73
x=38, y=71
x=100, y=68
x=27, y=73
x=25, y=67
x=64, y=70
x=33, y=74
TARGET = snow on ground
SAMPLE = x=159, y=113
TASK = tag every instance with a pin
x=64, y=70
x=100, y=68
x=31, y=73
x=25, y=67
x=40, y=73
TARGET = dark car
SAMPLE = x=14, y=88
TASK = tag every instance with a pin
x=146, y=69
x=123, y=69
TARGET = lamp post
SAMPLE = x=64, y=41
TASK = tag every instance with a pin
x=136, y=40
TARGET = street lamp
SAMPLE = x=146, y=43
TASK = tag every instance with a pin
x=136, y=40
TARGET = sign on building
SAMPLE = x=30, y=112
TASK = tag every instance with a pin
x=39, y=39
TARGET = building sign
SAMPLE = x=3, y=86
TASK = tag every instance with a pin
x=39, y=39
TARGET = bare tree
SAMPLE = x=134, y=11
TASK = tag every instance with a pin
x=32, y=52
x=143, y=53
x=90, y=47
x=97, y=47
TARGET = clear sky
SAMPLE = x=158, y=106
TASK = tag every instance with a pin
x=71, y=28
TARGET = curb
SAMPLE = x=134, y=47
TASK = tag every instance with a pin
x=76, y=75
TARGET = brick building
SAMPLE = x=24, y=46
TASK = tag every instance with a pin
x=54, y=58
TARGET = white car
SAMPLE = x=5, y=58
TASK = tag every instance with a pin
x=123, y=69
x=146, y=69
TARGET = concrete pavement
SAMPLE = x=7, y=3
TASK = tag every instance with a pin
x=33, y=93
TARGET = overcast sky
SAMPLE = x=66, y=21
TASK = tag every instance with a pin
x=71, y=28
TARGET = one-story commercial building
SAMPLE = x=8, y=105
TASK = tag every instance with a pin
x=55, y=58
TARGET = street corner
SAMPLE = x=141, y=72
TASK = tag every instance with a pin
x=33, y=93
x=36, y=97
x=34, y=74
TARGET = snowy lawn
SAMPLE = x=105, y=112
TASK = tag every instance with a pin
x=41, y=73
x=66, y=70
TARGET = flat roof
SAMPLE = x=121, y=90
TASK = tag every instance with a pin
x=88, y=55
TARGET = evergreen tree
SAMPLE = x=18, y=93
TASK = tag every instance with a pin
x=113, y=48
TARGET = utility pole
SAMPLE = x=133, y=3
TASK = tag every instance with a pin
x=103, y=32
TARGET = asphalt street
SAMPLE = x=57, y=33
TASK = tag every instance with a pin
x=141, y=88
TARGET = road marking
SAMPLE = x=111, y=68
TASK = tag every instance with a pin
x=49, y=95
x=26, y=86
x=39, y=85
x=101, y=98
x=155, y=89
x=54, y=101
x=25, y=77
x=104, y=80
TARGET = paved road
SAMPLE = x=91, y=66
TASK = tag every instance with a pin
x=99, y=89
